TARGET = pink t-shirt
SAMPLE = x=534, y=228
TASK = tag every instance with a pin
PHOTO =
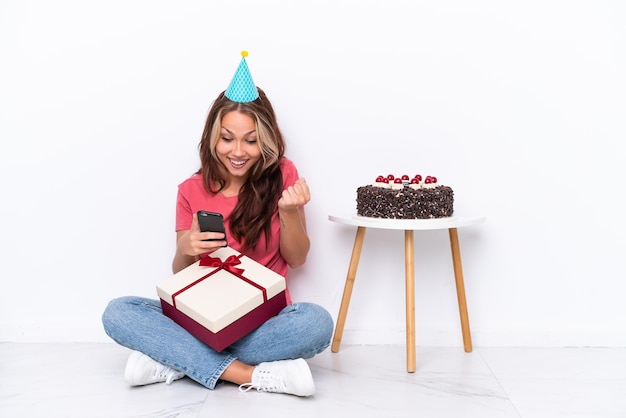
x=192, y=197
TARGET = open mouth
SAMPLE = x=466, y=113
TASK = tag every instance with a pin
x=237, y=163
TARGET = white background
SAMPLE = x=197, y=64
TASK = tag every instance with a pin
x=518, y=106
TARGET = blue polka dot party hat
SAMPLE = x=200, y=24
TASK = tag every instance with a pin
x=242, y=88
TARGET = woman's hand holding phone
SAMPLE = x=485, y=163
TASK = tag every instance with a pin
x=195, y=242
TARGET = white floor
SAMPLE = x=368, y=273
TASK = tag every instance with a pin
x=85, y=380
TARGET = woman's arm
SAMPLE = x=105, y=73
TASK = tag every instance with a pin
x=294, y=240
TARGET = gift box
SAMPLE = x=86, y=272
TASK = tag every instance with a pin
x=222, y=297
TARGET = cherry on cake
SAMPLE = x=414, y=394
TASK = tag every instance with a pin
x=403, y=197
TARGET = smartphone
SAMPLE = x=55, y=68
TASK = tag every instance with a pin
x=211, y=222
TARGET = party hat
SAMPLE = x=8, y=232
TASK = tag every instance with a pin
x=242, y=89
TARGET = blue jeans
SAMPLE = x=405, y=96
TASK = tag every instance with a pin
x=300, y=330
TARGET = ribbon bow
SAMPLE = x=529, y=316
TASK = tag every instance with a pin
x=228, y=264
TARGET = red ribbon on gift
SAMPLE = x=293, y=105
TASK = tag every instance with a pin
x=228, y=265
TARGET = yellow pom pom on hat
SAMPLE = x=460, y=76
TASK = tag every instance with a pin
x=242, y=88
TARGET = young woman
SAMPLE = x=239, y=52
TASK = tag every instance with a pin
x=245, y=176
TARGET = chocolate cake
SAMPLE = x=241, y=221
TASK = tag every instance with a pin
x=403, y=198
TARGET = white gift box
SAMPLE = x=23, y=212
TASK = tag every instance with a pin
x=222, y=297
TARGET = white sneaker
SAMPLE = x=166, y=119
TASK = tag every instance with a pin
x=142, y=370
x=283, y=376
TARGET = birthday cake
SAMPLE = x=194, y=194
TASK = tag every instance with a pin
x=402, y=197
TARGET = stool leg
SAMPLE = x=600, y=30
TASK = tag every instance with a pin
x=460, y=289
x=347, y=290
x=410, y=299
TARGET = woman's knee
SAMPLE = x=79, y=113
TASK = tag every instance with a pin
x=115, y=310
x=321, y=323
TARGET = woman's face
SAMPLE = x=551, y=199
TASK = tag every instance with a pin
x=238, y=148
